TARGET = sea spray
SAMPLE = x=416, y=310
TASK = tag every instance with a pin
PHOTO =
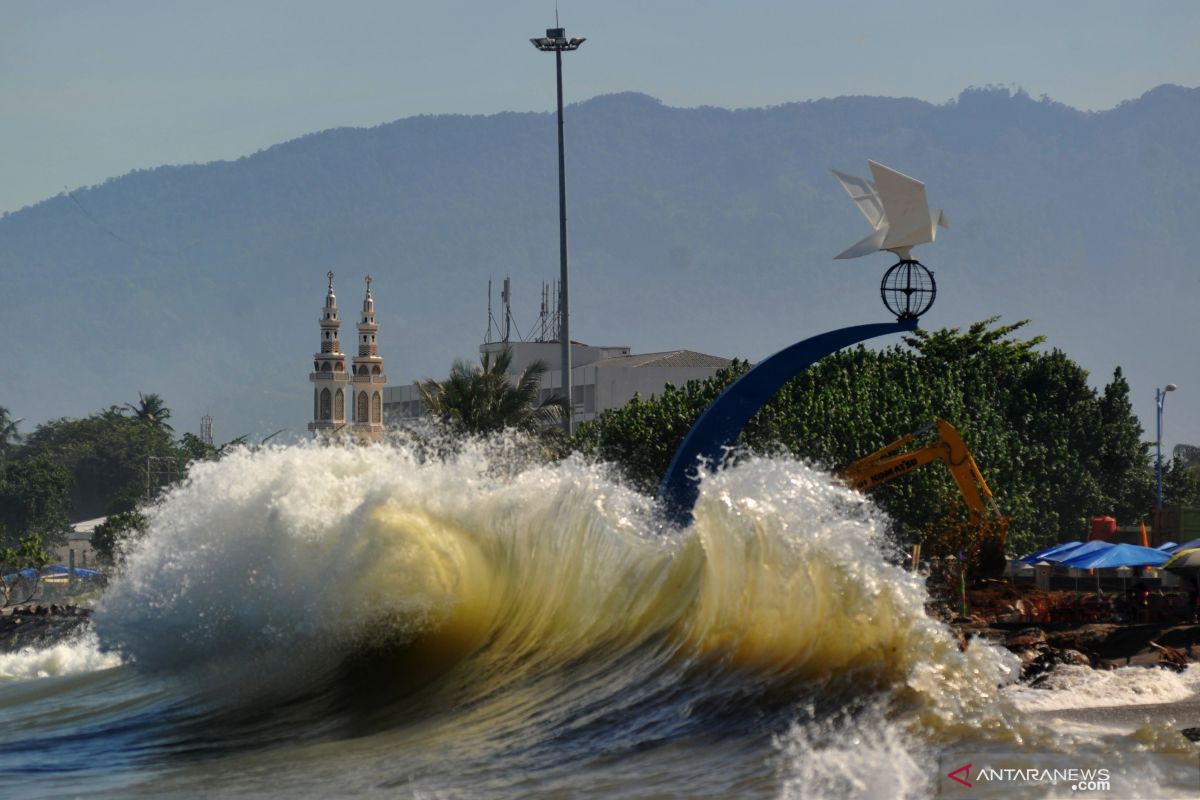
x=78, y=654
x=1068, y=686
x=329, y=620
x=316, y=551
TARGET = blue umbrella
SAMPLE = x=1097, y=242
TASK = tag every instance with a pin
x=1119, y=555
x=1067, y=557
x=1050, y=552
x=1179, y=548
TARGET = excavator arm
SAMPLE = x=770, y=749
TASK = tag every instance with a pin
x=890, y=462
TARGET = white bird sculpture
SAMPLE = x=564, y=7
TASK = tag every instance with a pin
x=896, y=207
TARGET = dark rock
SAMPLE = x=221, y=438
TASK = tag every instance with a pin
x=1074, y=657
x=1048, y=659
x=1024, y=639
x=1191, y=733
x=39, y=627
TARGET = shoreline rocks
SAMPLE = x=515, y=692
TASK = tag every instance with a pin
x=1041, y=647
x=37, y=625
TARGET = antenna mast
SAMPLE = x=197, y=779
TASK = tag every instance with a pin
x=506, y=296
x=487, y=337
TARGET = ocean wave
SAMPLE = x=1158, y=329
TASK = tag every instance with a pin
x=367, y=572
x=79, y=654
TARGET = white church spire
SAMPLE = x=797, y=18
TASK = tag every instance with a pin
x=329, y=377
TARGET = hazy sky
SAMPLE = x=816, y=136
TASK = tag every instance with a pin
x=91, y=90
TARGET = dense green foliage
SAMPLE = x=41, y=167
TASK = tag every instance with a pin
x=27, y=553
x=115, y=531
x=1181, y=484
x=107, y=454
x=9, y=436
x=1054, y=451
x=110, y=463
x=483, y=399
x=35, y=498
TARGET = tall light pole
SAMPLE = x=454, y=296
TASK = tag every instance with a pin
x=556, y=40
x=1160, y=396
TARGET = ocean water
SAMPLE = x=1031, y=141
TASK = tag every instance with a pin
x=353, y=621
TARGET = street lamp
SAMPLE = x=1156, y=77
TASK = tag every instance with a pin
x=556, y=40
x=1160, y=396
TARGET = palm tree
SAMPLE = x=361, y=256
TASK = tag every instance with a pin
x=152, y=409
x=482, y=399
x=9, y=437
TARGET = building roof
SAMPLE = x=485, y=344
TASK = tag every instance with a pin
x=87, y=526
x=667, y=360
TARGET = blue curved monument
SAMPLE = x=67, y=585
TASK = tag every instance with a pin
x=719, y=427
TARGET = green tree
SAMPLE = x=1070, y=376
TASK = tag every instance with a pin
x=35, y=499
x=1181, y=484
x=1189, y=454
x=9, y=436
x=151, y=409
x=193, y=448
x=28, y=553
x=104, y=453
x=483, y=399
x=115, y=533
x=1124, y=459
x=1053, y=451
x=643, y=435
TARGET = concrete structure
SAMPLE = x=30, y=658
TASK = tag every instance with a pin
x=602, y=377
x=78, y=546
x=368, y=379
x=331, y=382
x=361, y=388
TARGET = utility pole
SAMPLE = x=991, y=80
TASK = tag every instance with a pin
x=1160, y=397
x=556, y=40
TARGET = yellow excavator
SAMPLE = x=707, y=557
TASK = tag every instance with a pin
x=889, y=462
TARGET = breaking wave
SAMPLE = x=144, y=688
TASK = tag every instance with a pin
x=312, y=555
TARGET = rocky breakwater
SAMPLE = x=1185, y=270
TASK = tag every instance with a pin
x=1099, y=645
x=34, y=626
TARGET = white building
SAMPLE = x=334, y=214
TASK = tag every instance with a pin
x=602, y=377
x=78, y=550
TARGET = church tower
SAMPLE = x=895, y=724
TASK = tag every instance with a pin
x=368, y=378
x=331, y=387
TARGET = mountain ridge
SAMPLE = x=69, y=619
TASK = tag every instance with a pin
x=689, y=227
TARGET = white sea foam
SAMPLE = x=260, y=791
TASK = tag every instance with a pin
x=1070, y=686
x=866, y=757
x=76, y=655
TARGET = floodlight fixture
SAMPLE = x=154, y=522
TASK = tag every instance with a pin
x=1160, y=397
x=556, y=39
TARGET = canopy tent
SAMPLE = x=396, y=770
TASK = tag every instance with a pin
x=80, y=572
x=53, y=571
x=1175, y=549
x=1184, y=560
x=1084, y=548
x=1118, y=555
x=1050, y=552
